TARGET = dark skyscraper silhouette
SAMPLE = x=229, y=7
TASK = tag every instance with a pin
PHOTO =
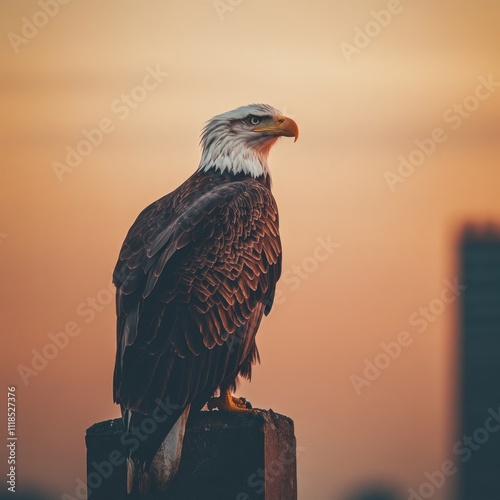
x=478, y=446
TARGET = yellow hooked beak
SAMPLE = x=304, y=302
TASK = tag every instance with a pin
x=282, y=125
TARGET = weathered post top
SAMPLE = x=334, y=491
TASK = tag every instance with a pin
x=226, y=455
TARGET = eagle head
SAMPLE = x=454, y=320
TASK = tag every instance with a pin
x=239, y=141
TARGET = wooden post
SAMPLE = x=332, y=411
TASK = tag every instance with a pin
x=233, y=456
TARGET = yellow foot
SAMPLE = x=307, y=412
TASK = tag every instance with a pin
x=226, y=402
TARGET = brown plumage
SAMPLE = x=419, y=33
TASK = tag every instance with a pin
x=195, y=267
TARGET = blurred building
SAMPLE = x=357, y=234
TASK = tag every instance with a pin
x=477, y=450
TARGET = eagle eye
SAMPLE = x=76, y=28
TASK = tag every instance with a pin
x=254, y=120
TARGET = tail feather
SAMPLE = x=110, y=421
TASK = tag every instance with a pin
x=163, y=468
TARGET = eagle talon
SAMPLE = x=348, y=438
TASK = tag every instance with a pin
x=247, y=404
x=227, y=402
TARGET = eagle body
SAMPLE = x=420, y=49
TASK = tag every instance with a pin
x=195, y=275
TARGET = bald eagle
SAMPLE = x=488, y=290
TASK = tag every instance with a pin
x=196, y=273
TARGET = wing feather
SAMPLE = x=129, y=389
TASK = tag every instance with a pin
x=194, y=276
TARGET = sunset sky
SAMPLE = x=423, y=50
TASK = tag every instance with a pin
x=399, y=146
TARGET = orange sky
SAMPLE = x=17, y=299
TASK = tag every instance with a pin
x=395, y=248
